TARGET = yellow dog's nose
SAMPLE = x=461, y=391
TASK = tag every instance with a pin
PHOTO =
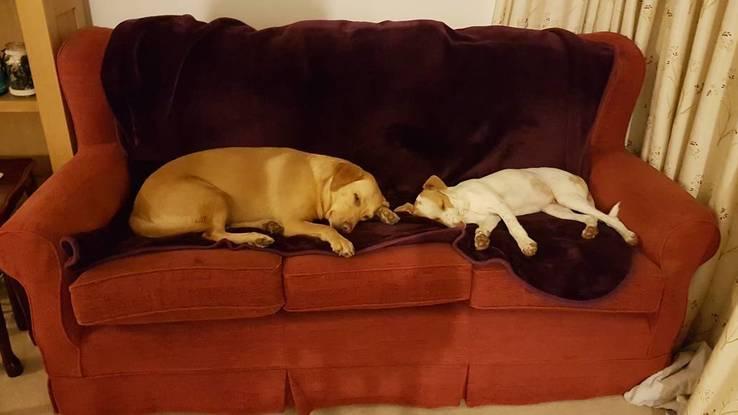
x=346, y=227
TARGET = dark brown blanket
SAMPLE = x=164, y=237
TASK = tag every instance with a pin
x=404, y=100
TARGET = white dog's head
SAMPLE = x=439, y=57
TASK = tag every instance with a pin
x=433, y=203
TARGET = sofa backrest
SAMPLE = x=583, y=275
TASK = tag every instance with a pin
x=402, y=99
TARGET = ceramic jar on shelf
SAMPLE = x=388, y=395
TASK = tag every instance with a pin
x=17, y=70
x=3, y=76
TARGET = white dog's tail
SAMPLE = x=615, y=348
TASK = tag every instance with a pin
x=615, y=210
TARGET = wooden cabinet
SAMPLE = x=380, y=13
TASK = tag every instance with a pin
x=37, y=126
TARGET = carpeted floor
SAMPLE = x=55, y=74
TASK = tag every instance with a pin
x=26, y=394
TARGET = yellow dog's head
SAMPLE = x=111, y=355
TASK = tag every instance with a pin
x=355, y=197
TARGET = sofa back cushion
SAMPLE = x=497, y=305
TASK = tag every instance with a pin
x=402, y=99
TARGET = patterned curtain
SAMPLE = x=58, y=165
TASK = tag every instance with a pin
x=686, y=125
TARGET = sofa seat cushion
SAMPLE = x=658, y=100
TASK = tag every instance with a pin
x=402, y=276
x=495, y=287
x=182, y=285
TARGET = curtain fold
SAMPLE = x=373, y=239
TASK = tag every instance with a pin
x=685, y=124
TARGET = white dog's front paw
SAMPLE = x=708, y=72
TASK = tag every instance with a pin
x=481, y=241
x=590, y=232
x=342, y=246
x=529, y=248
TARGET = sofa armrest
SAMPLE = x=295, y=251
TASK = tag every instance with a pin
x=86, y=192
x=676, y=232
x=83, y=195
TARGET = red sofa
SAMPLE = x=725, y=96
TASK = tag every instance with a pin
x=247, y=331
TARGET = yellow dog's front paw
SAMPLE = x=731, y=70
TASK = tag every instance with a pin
x=386, y=215
x=274, y=228
x=342, y=246
x=262, y=241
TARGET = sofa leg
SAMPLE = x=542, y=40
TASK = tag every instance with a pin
x=18, y=302
x=12, y=365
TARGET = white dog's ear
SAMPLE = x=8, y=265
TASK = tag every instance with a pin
x=434, y=183
x=345, y=173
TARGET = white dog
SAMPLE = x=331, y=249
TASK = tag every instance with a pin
x=509, y=193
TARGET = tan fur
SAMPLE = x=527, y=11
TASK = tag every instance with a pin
x=345, y=173
x=279, y=190
x=434, y=183
x=437, y=197
x=541, y=187
x=578, y=181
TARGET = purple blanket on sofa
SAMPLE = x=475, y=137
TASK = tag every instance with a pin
x=404, y=100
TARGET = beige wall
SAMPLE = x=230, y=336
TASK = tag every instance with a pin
x=266, y=13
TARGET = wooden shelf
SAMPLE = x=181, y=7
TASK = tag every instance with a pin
x=10, y=103
x=38, y=125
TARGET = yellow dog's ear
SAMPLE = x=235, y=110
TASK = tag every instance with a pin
x=345, y=173
x=434, y=183
x=406, y=208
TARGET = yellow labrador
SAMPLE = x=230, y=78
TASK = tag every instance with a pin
x=279, y=190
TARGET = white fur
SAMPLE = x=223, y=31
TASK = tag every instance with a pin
x=503, y=195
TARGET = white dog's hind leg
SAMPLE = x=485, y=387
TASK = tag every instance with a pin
x=481, y=234
x=581, y=205
x=562, y=212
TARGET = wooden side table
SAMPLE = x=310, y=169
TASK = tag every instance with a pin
x=15, y=182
